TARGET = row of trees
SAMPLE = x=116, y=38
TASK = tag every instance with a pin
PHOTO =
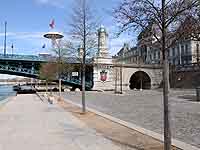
x=165, y=18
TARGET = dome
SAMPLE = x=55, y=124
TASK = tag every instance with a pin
x=102, y=29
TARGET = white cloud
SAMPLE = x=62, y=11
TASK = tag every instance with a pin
x=55, y=3
x=23, y=35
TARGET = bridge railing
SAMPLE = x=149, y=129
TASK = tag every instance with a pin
x=22, y=57
x=76, y=81
x=18, y=70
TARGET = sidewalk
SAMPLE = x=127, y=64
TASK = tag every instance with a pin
x=28, y=123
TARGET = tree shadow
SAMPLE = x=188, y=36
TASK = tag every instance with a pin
x=191, y=98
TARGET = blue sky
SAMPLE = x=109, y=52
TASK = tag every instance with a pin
x=28, y=20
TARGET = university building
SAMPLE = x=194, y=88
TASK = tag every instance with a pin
x=184, y=51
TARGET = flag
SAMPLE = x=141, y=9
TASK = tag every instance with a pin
x=43, y=46
x=52, y=24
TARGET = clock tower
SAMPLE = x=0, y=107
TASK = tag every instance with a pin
x=102, y=43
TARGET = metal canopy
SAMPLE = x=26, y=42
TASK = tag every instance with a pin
x=54, y=35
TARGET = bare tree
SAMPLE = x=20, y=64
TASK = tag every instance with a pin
x=83, y=31
x=159, y=18
x=61, y=52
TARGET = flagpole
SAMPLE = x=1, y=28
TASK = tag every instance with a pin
x=5, y=38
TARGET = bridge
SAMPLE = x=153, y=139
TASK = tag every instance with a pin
x=29, y=65
x=134, y=76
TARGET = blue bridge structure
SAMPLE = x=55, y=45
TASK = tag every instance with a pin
x=29, y=66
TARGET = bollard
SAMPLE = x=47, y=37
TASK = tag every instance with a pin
x=198, y=94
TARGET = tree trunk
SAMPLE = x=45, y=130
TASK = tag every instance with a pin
x=60, y=88
x=167, y=131
x=83, y=88
x=46, y=86
x=84, y=57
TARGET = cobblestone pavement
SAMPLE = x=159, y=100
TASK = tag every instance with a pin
x=145, y=108
x=27, y=123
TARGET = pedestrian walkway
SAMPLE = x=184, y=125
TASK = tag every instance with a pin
x=27, y=123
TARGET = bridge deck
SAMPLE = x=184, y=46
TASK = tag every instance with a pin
x=22, y=57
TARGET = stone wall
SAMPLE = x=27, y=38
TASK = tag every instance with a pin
x=114, y=72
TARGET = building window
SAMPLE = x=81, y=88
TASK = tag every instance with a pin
x=174, y=62
x=198, y=53
x=182, y=50
x=173, y=52
x=178, y=51
x=186, y=49
x=157, y=55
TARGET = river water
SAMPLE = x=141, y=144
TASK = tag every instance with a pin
x=6, y=91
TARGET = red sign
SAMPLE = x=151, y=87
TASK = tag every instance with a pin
x=103, y=75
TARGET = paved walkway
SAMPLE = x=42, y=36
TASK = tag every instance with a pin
x=27, y=123
x=145, y=109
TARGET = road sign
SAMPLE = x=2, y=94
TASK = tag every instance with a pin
x=74, y=74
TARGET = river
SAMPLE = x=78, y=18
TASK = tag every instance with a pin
x=6, y=91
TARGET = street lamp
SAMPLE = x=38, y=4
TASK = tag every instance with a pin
x=54, y=37
x=12, y=47
x=5, y=38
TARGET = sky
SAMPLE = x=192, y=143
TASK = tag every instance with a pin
x=28, y=21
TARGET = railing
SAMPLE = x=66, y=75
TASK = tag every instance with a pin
x=18, y=70
x=22, y=57
x=78, y=82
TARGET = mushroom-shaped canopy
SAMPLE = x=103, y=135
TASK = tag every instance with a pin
x=54, y=35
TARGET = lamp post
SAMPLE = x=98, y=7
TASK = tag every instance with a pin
x=54, y=37
x=12, y=47
x=5, y=38
x=116, y=77
x=121, y=82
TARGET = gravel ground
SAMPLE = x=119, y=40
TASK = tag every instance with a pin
x=145, y=108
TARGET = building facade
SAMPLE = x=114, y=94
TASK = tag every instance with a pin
x=103, y=63
x=184, y=51
x=116, y=73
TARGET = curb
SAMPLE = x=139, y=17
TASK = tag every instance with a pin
x=5, y=101
x=157, y=136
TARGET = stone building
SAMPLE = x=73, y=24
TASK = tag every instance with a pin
x=184, y=51
x=128, y=55
x=117, y=73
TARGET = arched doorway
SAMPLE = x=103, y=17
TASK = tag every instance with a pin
x=140, y=80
